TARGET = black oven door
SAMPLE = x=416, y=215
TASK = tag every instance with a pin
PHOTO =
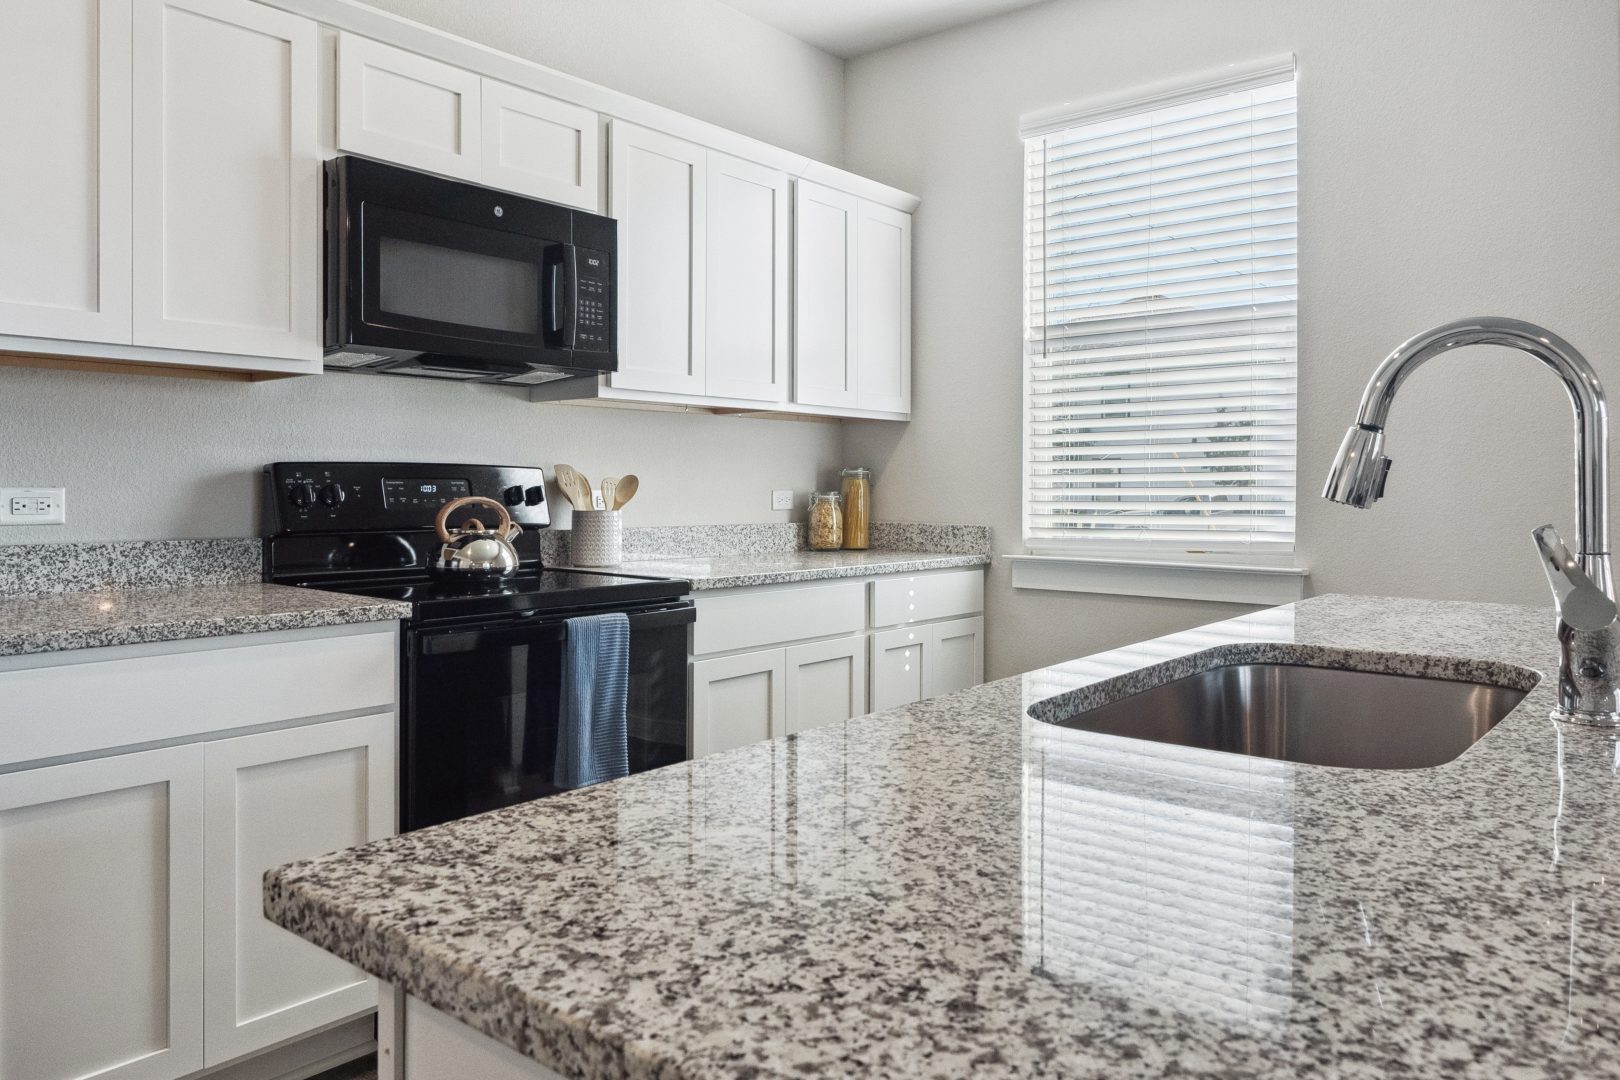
x=481, y=703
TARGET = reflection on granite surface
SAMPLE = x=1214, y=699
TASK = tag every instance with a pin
x=1160, y=874
x=956, y=889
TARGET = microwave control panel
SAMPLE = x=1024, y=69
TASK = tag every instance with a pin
x=594, y=320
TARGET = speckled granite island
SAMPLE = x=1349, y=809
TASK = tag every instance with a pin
x=954, y=889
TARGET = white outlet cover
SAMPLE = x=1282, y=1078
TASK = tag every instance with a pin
x=782, y=499
x=33, y=506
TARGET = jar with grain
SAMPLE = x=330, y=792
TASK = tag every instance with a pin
x=826, y=521
x=857, y=490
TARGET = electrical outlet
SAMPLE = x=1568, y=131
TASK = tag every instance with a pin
x=33, y=506
x=782, y=499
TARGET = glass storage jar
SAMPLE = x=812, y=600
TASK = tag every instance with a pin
x=857, y=485
x=826, y=521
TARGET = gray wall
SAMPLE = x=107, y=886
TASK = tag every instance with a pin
x=1458, y=157
x=150, y=457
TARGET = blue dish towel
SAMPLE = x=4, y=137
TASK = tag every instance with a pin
x=592, y=729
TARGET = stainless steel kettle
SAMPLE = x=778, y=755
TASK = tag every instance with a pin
x=473, y=552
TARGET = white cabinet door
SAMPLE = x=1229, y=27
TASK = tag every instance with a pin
x=65, y=190
x=747, y=257
x=270, y=799
x=657, y=193
x=101, y=918
x=955, y=656
x=824, y=298
x=227, y=179
x=899, y=666
x=883, y=309
x=536, y=145
x=397, y=106
x=826, y=682
x=737, y=700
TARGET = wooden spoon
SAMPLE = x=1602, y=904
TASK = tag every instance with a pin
x=624, y=490
x=575, y=486
x=609, y=483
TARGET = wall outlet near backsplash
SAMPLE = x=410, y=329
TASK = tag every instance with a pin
x=33, y=506
x=782, y=499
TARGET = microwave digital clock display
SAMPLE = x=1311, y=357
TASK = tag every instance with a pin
x=418, y=494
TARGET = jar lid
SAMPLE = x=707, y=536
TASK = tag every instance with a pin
x=858, y=470
x=825, y=495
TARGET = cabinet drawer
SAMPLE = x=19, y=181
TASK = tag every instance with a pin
x=919, y=597
x=747, y=620
x=79, y=708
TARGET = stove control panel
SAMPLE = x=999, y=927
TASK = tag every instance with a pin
x=370, y=496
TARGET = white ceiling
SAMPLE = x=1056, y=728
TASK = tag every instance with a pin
x=850, y=27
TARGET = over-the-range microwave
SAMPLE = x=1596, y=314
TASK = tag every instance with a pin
x=431, y=277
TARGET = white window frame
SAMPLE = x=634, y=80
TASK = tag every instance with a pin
x=1144, y=568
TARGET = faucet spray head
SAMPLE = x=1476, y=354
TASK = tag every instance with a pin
x=1360, y=468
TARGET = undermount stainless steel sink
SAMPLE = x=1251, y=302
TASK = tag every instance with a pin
x=1310, y=715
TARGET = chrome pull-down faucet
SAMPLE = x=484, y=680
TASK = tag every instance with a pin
x=1583, y=588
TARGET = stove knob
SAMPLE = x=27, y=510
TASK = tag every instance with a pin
x=332, y=495
x=513, y=496
x=301, y=494
x=535, y=496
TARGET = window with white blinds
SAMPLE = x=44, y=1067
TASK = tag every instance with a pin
x=1160, y=324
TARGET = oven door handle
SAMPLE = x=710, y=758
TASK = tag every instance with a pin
x=539, y=631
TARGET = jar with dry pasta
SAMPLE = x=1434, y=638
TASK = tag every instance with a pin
x=857, y=491
x=826, y=521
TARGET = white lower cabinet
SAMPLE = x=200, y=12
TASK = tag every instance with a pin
x=269, y=799
x=897, y=666
x=133, y=944
x=782, y=659
x=958, y=658
x=737, y=700
x=826, y=682
x=912, y=663
x=101, y=868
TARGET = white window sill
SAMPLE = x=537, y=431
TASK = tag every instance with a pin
x=1125, y=575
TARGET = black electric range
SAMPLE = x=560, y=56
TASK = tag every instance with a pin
x=480, y=667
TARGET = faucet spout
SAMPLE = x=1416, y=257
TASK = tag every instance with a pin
x=1583, y=586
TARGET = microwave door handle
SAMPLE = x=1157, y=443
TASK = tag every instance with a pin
x=553, y=296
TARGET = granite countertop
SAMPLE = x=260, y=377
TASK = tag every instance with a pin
x=954, y=889
x=781, y=567
x=88, y=619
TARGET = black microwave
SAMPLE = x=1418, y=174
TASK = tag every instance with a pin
x=432, y=277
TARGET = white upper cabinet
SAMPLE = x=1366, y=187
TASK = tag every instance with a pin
x=227, y=179
x=748, y=295
x=852, y=302
x=166, y=207
x=397, y=106
x=824, y=235
x=657, y=193
x=883, y=309
x=424, y=114
x=65, y=193
x=538, y=146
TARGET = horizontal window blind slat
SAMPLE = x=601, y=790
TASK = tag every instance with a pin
x=1160, y=324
